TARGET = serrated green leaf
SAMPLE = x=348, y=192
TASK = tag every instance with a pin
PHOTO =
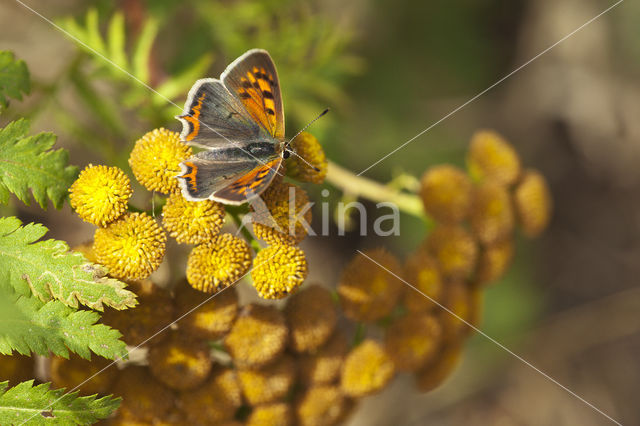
x=14, y=78
x=40, y=405
x=142, y=51
x=116, y=40
x=51, y=271
x=27, y=162
x=29, y=325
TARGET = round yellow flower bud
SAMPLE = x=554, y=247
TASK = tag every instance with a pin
x=155, y=160
x=320, y=405
x=455, y=250
x=275, y=414
x=305, y=145
x=446, y=193
x=132, y=247
x=422, y=272
x=493, y=158
x=268, y=383
x=180, y=362
x=494, y=261
x=192, y=222
x=324, y=365
x=533, y=202
x=257, y=337
x=367, y=291
x=289, y=214
x=210, y=320
x=215, y=402
x=69, y=373
x=218, y=263
x=311, y=317
x=143, y=397
x=278, y=270
x=100, y=194
x=440, y=368
x=491, y=213
x=366, y=370
x=411, y=341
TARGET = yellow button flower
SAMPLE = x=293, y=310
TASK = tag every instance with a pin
x=411, y=341
x=494, y=261
x=143, y=397
x=278, y=270
x=324, y=365
x=214, y=402
x=493, y=158
x=455, y=250
x=268, y=383
x=311, y=316
x=446, y=193
x=155, y=160
x=218, y=263
x=307, y=147
x=440, y=368
x=366, y=370
x=289, y=214
x=132, y=247
x=192, y=222
x=210, y=320
x=69, y=373
x=275, y=414
x=492, y=219
x=533, y=202
x=257, y=337
x=367, y=291
x=100, y=194
x=321, y=405
x=422, y=272
x=180, y=362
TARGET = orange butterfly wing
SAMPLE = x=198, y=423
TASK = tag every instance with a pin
x=249, y=185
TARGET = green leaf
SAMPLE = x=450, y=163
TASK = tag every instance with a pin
x=180, y=84
x=14, y=78
x=39, y=405
x=26, y=162
x=51, y=271
x=116, y=39
x=142, y=51
x=29, y=325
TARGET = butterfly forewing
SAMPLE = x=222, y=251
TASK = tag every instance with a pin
x=254, y=80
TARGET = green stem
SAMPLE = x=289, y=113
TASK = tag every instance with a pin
x=245, y=232
x=359, y=335
x=359, y=186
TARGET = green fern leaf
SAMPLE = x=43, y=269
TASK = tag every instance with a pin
x=14, y=78
x=40, y=405
x=51, y=271
x=26, y=162
x=29, y=325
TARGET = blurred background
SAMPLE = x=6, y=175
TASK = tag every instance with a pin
x=570, y=303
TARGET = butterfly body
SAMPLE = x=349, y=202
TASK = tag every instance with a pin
x=239, y=122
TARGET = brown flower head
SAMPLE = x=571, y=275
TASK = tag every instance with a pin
x=274, y=414
x=308, y=152
x=492, y=158
x=143, y=397
x=321, y=406
x=446, y=193
x=192, y=222
x=454, y=249
x=494, y=261
x=413, y=340
x=366, y=370
x=323, y=366
x=492, y=218
x=69, y=373
x=214, y=402
x=434, y=373
x=458, y=301
x=533, y=202
x=16, y=368
x=268, y=383
x=422, y=272
x=311, y=317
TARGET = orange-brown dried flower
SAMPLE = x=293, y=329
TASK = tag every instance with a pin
x=311, y=317
x=532, y=199
x=72, y=372
x=367, y=369
x=16, y=368
x=268, y=383
x=422, y=272
x=458, y=301
x=492, y=219
x=308, y=153
x=321, y=406
x=494, y=261
x=411, y=341
x=491, y=157
x=446, y=193
x=440, y=368
x=215, y=402
x=212, y=319
x=143, y=397
x=455, y=250
x=323, y=366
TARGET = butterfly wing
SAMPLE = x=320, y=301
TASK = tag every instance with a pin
x=254, y=80
x=213, y=117
x=250, y=184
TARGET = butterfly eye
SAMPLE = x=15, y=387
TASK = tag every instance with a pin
x=286, y=154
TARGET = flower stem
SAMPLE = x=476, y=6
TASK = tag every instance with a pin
x=245, y=232
x=359, y=186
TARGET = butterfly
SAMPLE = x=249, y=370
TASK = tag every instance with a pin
x=238, y=120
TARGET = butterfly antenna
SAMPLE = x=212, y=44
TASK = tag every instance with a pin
x=286, y=146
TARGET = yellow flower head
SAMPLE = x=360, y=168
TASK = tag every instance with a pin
x=457, y=300
x=493, y=158
x=413, y=340
x=307, y=147
x=143, y=397
x=494, y=261
x=311, y=316
x=132, y=247
x=180, y=362
x=268, y=383
x=211, y=320
x=192, y=222
x=323, y=366
x=289, y=214
x=366, y=370
x=421, y=271
x=367, y=291
x=214, y=402
x=321, y=405
x=274, y=414
x=155, y=160
x=153, y=312
x=100, y=194
x=218, y=263
x=69, y=373
x=491, y=213
x=446, y=193
x=455, y=250
x=533, y=202
x=278, y=270
x=434, y=373
x=16, y=368
x=257, y=337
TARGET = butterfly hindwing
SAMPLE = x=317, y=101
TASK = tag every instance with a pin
x=250, y=184
x=254, y=80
